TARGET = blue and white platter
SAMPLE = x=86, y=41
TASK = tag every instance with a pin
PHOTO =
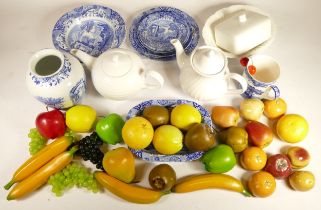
x=90, y=28
x=152, y=31
x=149, y=153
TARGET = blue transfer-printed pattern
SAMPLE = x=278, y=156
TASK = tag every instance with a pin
x=151, y=32
x=54, y=79
x=91, y=28
x=78, y=91
x=252, y=92
x=149, y=153
x=52, y=102
x=276, y=91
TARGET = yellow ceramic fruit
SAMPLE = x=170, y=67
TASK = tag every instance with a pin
x=137, y=133
x=274, y=108
x=262, y=184
x=168, y=139
x=253, y=158
x=120, y=163
x=292, y=128
x=184, y=116
x=80, y=118
x=302, y=180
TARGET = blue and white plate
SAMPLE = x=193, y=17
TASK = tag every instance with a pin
x=90, y=28
x=149, y=153
x=152, y=30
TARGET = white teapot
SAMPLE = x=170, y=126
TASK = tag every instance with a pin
x=119, y=73
x=205, y=75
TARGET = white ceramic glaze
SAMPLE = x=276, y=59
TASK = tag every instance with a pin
x=205, y=74
x=262, y=84
x=119, y=73
x=60, y=89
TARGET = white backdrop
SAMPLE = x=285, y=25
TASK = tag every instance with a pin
x=26, y=28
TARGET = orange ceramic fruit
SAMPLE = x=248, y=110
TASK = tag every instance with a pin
x=262, y=184
x=253, y=158
x=274, y=108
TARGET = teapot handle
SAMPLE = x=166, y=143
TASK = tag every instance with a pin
x=241, y=80
x=153, y=80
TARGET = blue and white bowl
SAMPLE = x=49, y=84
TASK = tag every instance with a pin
x=90, y=28
x=149, y=153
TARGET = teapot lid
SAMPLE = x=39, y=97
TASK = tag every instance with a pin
x=116, y=63
x=208, y=60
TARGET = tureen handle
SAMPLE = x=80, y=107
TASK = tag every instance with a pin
x=241, y=80
x=153, y=80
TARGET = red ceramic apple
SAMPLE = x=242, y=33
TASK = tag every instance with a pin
x=298, y=156
x=259, y=134
x=51, y=124
x=279, y=166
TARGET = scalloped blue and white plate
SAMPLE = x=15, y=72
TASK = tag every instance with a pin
x=90, y=28
x=152, y=30
x=149, y=153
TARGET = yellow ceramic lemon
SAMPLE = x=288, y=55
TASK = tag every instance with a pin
x=292, y=128
x=183, y=116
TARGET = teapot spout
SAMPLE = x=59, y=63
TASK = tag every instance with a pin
x=181, y=57
x=88, y=60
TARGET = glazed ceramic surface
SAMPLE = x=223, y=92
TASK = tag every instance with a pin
x=119, y=73
x=149, y=153
x=91, y=28
x=152, y=30
x=205, y=75
x=61, y=89
x=262, y=84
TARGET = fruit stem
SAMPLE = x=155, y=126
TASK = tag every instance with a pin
x=73, y=150
x=247, y=193
x=7, y=186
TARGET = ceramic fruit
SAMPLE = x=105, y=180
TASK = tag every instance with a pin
x=253, y=158
x=80, y=118
x=109, y=128
x=274, y=108
x=279, y=166
x=199, y=138
x=219, y=159
x=168, y=139
x=120, y=163
x=259, y=134
x=302, y=180
x=119, y=73
x=56, y=79
x=298, y=156
x=208, y=67
x=51, y=124
x=292, y=128
x=137, y=133
x=235, y=137
x=225, y=116
x=183, y=116
x=162, y=177
x=262, y=184
x=251, y=109
x=156, y=115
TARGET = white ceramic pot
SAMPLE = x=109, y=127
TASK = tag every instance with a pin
x=58, y=80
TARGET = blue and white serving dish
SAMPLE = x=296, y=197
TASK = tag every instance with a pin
x=149, y=153
x=90, y=28
x=152, y=31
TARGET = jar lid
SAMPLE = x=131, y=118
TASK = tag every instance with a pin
x=208, y=61
x=116, y=63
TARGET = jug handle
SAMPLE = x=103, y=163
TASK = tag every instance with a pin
x=158, y=80
x=275, y=90
x=241, y=80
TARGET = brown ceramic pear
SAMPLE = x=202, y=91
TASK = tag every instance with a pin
x=199, y=138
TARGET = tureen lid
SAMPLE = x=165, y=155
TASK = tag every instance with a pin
x=208, y=60
x=116, y=63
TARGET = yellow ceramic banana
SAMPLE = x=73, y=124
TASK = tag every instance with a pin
x=126, y=191
x=39, y=159
x=41, y=176
x=208, y=181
